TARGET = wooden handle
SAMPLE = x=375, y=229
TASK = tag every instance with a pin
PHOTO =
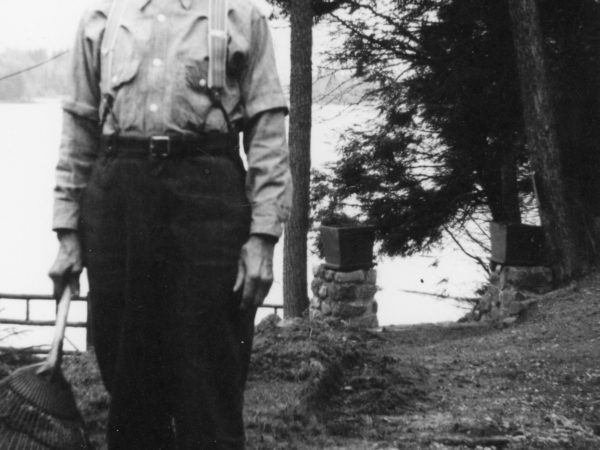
x=54, y=359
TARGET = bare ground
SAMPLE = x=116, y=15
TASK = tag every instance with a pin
x=534, y=385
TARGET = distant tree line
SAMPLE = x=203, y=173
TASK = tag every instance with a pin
x=46, y=81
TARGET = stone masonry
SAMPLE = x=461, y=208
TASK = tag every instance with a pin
x=349, y=296
x=511, y=292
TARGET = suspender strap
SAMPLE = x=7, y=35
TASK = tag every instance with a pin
x=109, y=40
x=217, y=47
x=113, y=23
x=217, y=54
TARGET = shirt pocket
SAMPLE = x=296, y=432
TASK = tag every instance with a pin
x=122, y=61
x=124, y=73
x=191, y=100
x=127, y=99
x=122, y=67
x=196, y=75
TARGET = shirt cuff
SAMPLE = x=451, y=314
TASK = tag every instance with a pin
x=66, y=216
x=266, y=225
x=268, y=218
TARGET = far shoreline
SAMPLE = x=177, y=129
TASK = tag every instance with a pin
x=32, y=101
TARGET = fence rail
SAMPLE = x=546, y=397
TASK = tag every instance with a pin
x=36, y=298
x=27, y=321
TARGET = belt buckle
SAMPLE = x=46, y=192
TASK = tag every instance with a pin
x=160, y=146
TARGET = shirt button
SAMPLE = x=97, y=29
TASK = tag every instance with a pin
x=161, y=17
x=153, y=107
x=115, y=79
x=202, y=83
x=157, y=62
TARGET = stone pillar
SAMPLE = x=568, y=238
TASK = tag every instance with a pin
x=349, y=296
x=511, y=292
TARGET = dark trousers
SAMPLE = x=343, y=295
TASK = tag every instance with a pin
x=161, y=239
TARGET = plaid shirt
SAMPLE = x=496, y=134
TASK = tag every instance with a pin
x=158, y=80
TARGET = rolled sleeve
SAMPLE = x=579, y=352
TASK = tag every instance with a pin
x=260, y=86
x=80, y=109
x=268, y=183
x=77, y=153
x=80, y=129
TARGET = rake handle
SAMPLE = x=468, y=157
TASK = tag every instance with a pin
x=54, y=359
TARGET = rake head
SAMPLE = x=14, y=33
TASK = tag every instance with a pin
x=38, y=411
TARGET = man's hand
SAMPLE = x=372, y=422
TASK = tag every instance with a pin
x=68, y=264
x=255, y=271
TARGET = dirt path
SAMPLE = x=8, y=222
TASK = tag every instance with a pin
x=534, y=385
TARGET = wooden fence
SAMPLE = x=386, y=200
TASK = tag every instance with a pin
x=27, y=321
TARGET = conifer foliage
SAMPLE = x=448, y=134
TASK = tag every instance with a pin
x=450, y=140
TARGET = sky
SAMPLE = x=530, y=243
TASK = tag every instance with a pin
x=46, y=23
x=39, y=23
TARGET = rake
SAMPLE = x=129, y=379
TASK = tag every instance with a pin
x=37, y=407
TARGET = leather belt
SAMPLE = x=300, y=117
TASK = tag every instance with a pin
x=220, y=145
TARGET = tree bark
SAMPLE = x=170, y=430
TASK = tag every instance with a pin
x=565, y=249
x=498, y=177
x=510, y=189
x=295, y=295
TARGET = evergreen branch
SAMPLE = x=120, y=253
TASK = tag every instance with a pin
x=464, y=250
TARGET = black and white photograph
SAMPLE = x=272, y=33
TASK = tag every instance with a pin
x=300, y=224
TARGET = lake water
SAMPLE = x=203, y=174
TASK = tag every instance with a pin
x=29, y=136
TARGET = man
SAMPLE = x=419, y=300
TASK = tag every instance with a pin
x=153, y=199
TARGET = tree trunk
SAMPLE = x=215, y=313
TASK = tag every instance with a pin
x=566, y=252
x=295, y=295
x=497, y=175
x=510, y=188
